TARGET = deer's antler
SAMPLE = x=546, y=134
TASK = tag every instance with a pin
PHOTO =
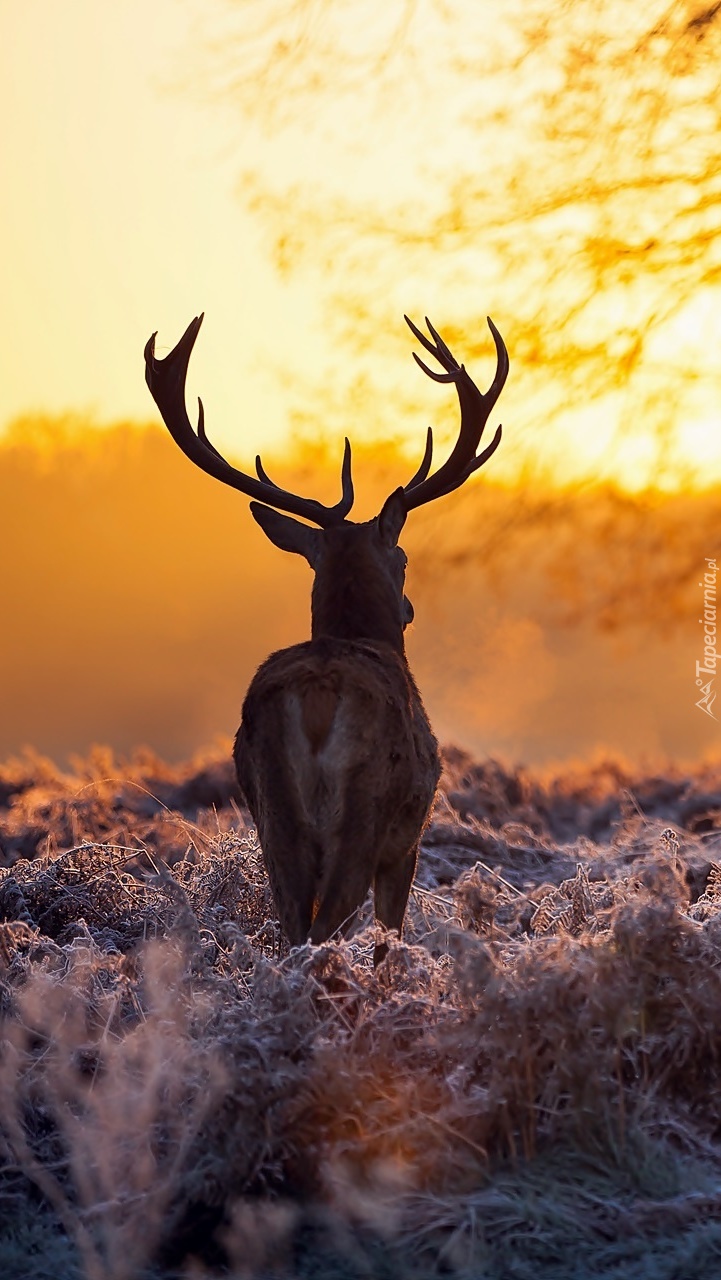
x=166, y=380
x=476, y=407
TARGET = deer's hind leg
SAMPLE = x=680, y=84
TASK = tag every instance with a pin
x=290, y=851
x=345, y=886
x=350, y=842
x=393, y=880
x=291, y=858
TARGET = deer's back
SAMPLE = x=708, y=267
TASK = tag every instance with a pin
x=329, y=715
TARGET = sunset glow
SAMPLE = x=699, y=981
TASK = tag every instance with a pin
x=305, y=174
x=150, y=180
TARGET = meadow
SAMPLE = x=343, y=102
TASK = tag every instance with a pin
x=529, y=1086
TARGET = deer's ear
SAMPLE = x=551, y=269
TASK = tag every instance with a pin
x=288, y=534
x=392, y=518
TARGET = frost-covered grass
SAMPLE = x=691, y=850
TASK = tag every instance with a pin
x=529, y=1086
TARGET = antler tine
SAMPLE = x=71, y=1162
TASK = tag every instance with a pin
x=475, y=463
x=425, y=466
x=346, y=501
x=502, y=362
x=475, y=410
x=201, y=431
x=166, y=381
x=439, y=350
x=347, y=494
x=262, y=473
x=433, y=373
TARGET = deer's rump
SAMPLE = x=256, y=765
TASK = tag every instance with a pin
x=339, y=767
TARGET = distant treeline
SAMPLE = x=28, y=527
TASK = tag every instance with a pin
x=139, y=597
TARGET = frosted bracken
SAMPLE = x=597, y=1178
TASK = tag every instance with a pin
x=528, y=1085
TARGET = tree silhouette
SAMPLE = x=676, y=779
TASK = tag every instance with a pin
x=561, y=163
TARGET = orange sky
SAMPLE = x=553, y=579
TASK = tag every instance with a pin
x=119, y=216
x=136, y=138
x=122, y=215
x=544, y=629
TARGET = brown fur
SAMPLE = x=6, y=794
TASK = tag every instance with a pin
x=352, y=596
x=335, y=754
x=319, y=704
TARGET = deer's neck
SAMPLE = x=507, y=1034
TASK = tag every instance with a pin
x=347, y=608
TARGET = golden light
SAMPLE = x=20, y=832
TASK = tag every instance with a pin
x=158, y=164
x=306, y=174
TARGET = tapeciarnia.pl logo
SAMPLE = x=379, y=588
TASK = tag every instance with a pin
x=707, y=668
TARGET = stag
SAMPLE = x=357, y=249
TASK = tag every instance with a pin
x=335, y=754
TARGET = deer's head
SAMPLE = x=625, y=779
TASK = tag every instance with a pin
x=358, y=591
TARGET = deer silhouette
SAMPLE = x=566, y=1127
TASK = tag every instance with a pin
x=335, y=755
